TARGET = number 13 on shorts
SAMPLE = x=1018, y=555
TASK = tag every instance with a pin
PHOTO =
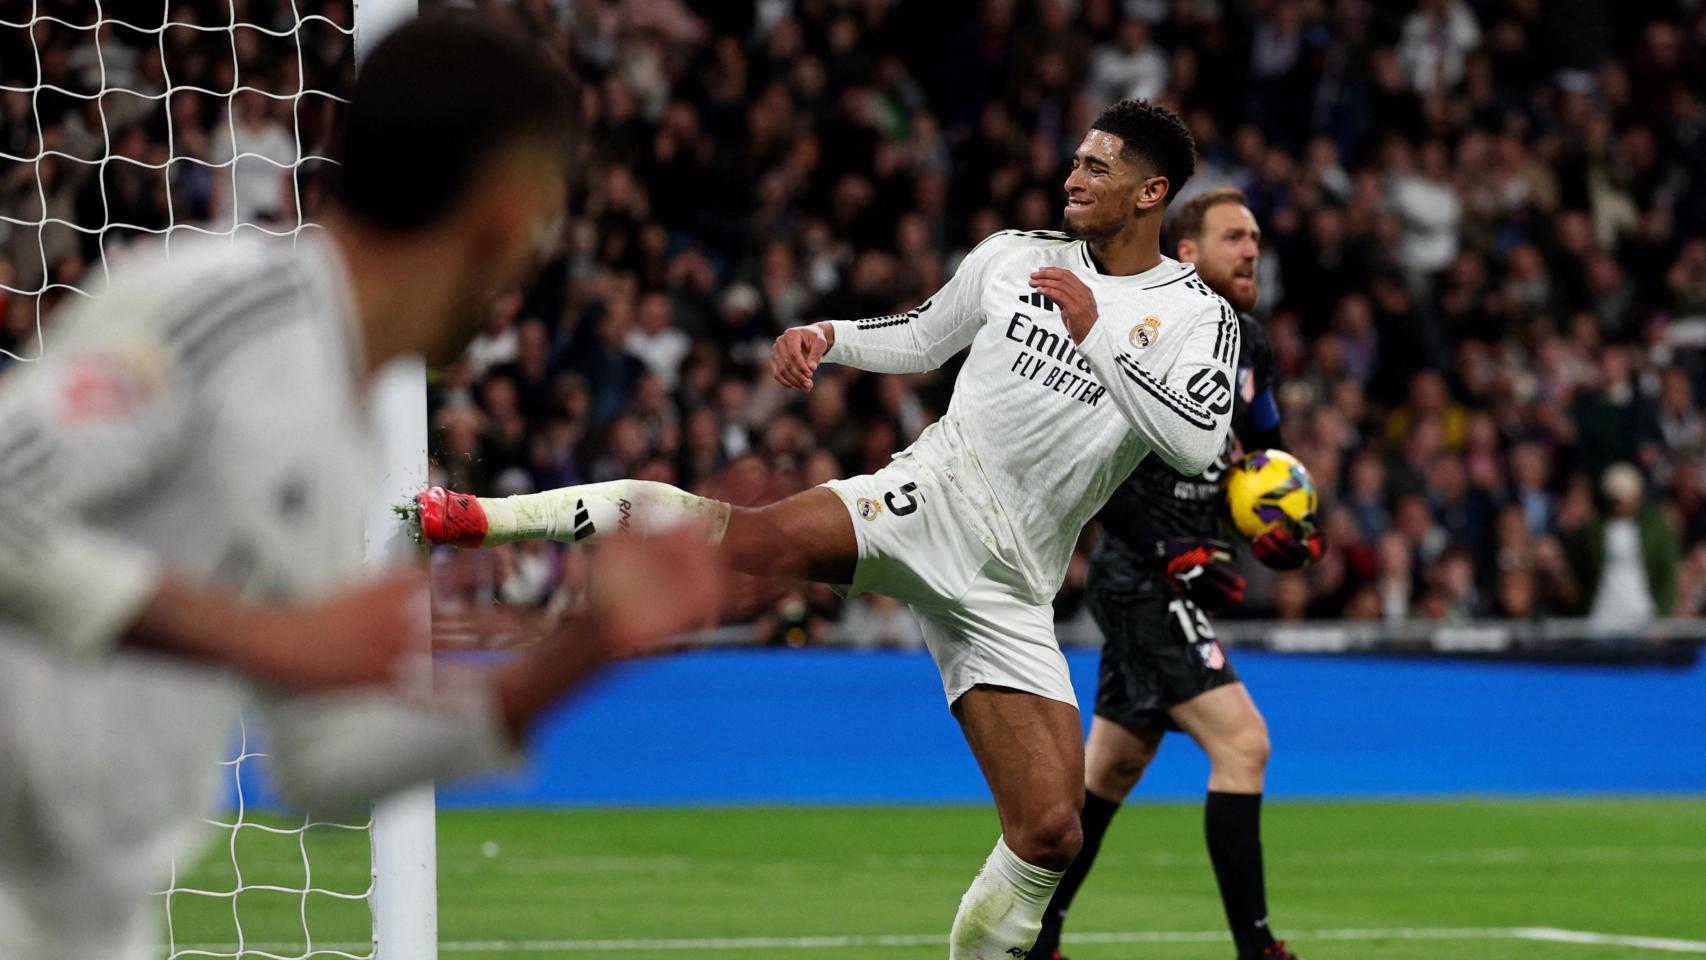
x=1194, y=627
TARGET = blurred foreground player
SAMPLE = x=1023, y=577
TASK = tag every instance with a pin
x=1089, y=350
x=196, y=433
x=1159, y=566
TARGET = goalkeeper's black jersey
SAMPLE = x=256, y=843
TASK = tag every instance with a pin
x=1157, y=502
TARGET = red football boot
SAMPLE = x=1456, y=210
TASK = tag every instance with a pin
x=1278, y=952
x=451, y=517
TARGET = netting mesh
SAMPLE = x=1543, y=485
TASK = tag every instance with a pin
x=268, y=896
x=132, y=121
x=123, y=120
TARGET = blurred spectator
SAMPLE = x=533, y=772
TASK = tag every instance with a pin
x=1613, y=421
x=874, y=621
x=1435, y=40
x=1132, y=66
x=264, y=152
x=1626, y=561
x=657, y=341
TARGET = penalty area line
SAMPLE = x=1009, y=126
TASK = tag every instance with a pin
x=1662, y=944
x=856, y=941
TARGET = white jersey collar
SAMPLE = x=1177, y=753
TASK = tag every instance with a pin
x=1165, y=272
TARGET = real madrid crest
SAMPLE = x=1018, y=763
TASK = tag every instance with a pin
x=869, y=508
x=1146, y=332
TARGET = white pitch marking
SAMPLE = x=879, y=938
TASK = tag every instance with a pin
x=1664, y=944
x=689, y=944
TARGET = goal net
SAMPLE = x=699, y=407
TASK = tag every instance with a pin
x=134, y=122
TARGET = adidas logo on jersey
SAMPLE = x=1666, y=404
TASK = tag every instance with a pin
x=583, y=522
x=1036, y=299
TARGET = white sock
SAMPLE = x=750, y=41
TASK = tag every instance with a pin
x=578, y=514
x=1002, y=912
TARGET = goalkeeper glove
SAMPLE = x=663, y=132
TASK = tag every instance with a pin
x=1283, y=548
x=1196, y=567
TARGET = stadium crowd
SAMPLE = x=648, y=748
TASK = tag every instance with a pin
x=1483, y=273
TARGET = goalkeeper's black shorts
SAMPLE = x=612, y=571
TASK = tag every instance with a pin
x=1158, y=649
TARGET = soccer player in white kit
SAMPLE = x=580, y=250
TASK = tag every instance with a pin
x=1089, y=350
x=200, y=425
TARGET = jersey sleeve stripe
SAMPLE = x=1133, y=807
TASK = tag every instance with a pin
x=241, y=305
x=25, y=478
x=1190, y=411
x=183, y=321
x=1226, y=336
x=24, y=471
x=226, y=333
x=892, y=320
x=21, y=448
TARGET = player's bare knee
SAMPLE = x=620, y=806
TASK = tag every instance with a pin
x=1246, y=752
x=1122, y=773
x=1049, y=838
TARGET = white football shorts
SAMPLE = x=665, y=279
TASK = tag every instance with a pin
x=915, y=546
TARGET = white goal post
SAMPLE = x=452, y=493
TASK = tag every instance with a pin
x=405, y=840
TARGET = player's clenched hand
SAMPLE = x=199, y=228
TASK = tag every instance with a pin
x=797, y=352
x=645, y=592
x=1077, y=304
x=355, y=638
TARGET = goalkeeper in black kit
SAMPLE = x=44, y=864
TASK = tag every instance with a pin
x=1160, y=565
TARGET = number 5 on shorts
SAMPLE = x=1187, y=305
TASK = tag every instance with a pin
x=911, y=504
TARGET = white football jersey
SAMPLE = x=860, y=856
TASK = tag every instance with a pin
x=1041, y=430
x=207, y=411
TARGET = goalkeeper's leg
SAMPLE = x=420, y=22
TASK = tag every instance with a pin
x=807, y=536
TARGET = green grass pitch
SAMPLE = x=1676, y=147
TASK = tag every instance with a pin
x=1389, y=881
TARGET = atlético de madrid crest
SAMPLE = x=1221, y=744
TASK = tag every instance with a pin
x=1146, y=332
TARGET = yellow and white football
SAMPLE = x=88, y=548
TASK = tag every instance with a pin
x=1267, y=488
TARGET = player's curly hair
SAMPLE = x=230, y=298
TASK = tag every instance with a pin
x=1155, y=136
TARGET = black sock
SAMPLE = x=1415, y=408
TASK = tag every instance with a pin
x=1233, y=824
x=1098, y=812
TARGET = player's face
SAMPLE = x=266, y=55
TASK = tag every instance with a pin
x=1105, y=191
x=1226, y=253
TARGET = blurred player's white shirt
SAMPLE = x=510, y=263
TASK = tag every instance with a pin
x=208, y=409
x=1040, y=430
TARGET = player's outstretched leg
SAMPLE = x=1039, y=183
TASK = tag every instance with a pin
x=1226, y=724
x=567, y=514
x=1114, y=761
x=1029, y=749
x=808, y=536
